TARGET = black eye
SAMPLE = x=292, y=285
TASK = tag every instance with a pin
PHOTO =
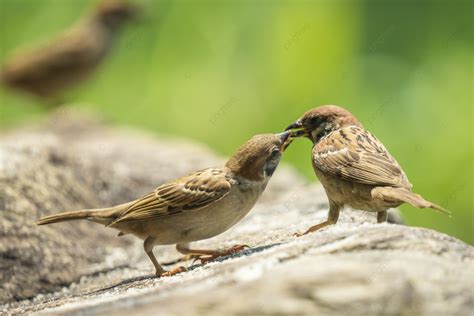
x=275, y=152
x=315, y=121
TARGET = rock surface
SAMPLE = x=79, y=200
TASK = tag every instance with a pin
x=78, y=267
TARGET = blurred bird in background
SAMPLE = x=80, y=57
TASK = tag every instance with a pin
x=45, y=71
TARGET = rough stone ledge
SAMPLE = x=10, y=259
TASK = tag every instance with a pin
x=356, y=266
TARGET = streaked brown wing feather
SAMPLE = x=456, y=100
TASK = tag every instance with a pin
x=356, y=155
x=185, y=194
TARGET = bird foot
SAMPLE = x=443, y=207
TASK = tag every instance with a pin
x=317, y=227
x=173, y=272
x=310, y=230
x=221, y=253
x=298, y=234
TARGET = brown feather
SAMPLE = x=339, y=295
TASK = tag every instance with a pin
x=403, y=195
x=353, y=154
x=188, y=193
x=102, y=216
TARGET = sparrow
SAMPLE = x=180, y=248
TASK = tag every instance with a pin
x=46, y=70
x=353, y=166
x=195, y=207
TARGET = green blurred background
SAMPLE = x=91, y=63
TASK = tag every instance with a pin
x=221, y=71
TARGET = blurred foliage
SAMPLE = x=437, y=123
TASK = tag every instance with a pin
x=221, y=71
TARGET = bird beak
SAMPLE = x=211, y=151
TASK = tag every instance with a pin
x=296, y=129
x=285, y=140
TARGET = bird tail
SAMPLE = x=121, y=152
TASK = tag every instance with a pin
x=404, y=195
x=100, y=215
x=65, y=216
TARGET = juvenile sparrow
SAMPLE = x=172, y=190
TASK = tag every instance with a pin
x=195, y=207
x=353, y=165
x=46, y=70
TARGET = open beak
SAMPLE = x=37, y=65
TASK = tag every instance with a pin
x=296, y=129
x=285, y=140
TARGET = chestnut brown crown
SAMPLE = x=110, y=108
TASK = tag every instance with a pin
x=320, y=121
x=258, y=158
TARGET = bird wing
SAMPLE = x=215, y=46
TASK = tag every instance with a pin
x=189, y=193
x=354, y=154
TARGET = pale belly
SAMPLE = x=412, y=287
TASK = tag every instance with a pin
x=356, y=195
x=200, y=224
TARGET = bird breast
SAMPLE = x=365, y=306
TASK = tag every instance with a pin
x=208, y=221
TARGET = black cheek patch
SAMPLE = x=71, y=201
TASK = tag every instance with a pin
x=270, y=168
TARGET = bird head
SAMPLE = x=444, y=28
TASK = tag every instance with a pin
x=320, y=121
x=114, y=13
x=258, y=158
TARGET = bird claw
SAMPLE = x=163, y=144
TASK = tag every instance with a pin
x=237, y=248
x=173, y=272
x=234, y=249
x=298, y=234
x=196, y=257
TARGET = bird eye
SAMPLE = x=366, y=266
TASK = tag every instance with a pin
x=315, y=120
x=275, y=152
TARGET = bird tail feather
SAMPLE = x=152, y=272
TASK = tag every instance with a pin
x=101, y=215
x=65, y=216
x=409, y=197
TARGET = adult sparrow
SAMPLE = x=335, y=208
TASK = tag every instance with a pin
x=46, y=70
x=195, y=207
x=353, y=165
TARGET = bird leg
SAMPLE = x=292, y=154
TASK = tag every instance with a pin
x=333, y=216
x=206, y=255
x=382, y=216
x=159, y=271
